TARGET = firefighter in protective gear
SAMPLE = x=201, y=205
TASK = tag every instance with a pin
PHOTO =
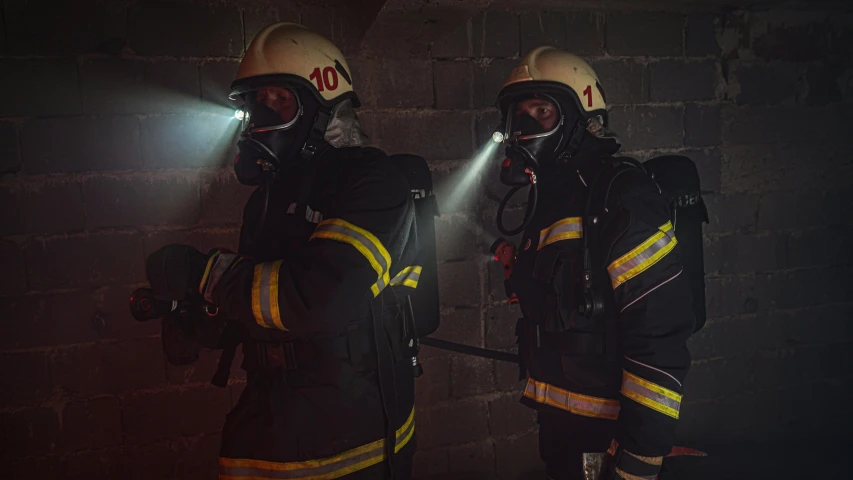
x=603, y=338
x=312, y=293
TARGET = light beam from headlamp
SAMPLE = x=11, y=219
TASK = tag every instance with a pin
x=463, y=184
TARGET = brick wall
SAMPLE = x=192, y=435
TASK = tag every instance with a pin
x=115, y=139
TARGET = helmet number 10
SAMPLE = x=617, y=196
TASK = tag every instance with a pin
x=327, y=81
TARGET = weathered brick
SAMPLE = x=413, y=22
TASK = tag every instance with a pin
x=768, y=84
x=475, y=460
x=91, y=424
x=10, y=152
x=763, y=168
x=461, y=325
x=26, y=377
x=122, y=86
x=336, y=23
x=814, y=325
x=736, y=295
x=428, y=463
x=453, y=238
x=500, y=326
x=678, y=80
x=700, y=37
x=794, y=367
x=433, y=135
x=43, y=468
x=459, y=284
x=63, y=28
x=173, y=413
x=585, y=33
x=434, y=385
x=110, y=368
x=454, y=43
x=702, y=125
x=33, y=431
x=185, y=29
x=719, y=377
x=81, y=144
x=783, y=210
x=747, y=253
x=812, y=287
x=453, y=85
x=645, y=34
x=189, y=141
x=40, y=86
x=193, y=461
x=789, y=36
x=822, y=85
x=216, y=78
x=223, y=198
x=86, y=260
x=147, y=461
x=487, y=123
x=200, y=371
x=543, y=28
x=495, y=34
x=709, y=163
x=35, y=321
x=138, y=200
x=202, y=239
x=730, y=213
x=471, y=376
x=826, y=246
x=624, y=81
x=786, y=125
x=507, y=416
x=254, y=20
x=393, y=83
x=507, y=378
x=489, y=79
x=13, y=278
x=41, y=208
x=648, y=127
x=112, y=319
x=452, y=423
x=518, y=457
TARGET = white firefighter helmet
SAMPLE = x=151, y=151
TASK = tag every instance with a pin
x=548, y=70
x=290, y=54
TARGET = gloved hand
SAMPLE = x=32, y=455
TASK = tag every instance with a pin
x=624, y=465
x=175, y=271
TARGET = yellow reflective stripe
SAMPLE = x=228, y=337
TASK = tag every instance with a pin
x=565, y=229
x=328, y=468
x=408, y=277
x=576, y=403
x=365, y=242
x=210, y=262
x=265, y=295
x=643, y=256
x=651, y=395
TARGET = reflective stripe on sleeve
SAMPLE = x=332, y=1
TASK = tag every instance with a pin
x=651, y=395
x=322, y=469
x=565, y=229
x=265, y=295
x=365, y=242
x=408, y=277
x=576, y=403
x=642, y=256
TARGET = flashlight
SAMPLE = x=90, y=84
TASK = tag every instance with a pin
x=240, y=115
x=497, y=137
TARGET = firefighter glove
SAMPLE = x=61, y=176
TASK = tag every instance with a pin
x=175, y=271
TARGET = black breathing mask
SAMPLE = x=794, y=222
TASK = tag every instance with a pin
x=269, y=140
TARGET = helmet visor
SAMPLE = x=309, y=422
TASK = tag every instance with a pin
x=533, y=116
x=272, y=108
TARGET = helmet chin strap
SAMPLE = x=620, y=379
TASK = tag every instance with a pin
x=316, y=137
x=575, y=140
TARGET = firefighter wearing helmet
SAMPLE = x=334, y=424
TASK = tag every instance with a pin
x=312, y=294
x=597, y=274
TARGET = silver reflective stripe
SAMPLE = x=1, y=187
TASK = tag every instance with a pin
x=375, y=253
x=651, y=395
x=372, y=457
x=264, y=294
x=409, y=277
x=565, y=229
x=219, y=267
x=576, y=403
x=642, y=257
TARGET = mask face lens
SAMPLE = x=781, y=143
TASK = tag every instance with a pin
x=532, y=116
x=282, y=101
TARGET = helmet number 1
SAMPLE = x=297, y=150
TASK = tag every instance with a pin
x=588, y=93
x=328, y=80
